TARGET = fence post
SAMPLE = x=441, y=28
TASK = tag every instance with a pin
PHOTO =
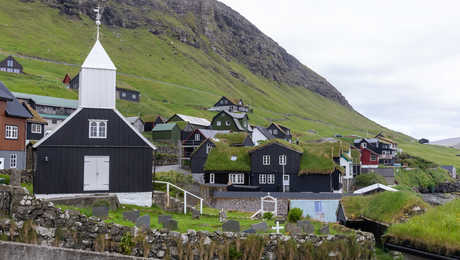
x=185, y=202
x=167, y=195
x=201, y=206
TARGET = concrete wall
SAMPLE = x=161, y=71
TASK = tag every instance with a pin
x=20, y=251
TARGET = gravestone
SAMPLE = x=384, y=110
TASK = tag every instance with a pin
x=143, y=221
x=249, y=231
x=15, y=177
x=293, y=229
x=101, y=211
x=163, y=218
x=262, y=226
x=324, y=230
x=231, y=226
x=222, y=216
x=131, y=215
x=195, y=214
x=306, y=226
x=170, y=224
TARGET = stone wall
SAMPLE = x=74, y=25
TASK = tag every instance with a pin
x=249, y=205
x=38, y=222
x=86, y=201
x=26, y=175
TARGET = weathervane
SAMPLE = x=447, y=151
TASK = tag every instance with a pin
x=98, y=20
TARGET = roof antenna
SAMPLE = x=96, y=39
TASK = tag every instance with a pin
x=98, y=19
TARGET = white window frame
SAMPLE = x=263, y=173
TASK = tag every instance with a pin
x=262, y=178
x=208, y=148
x=363, y=145
x=11, y=132
x=98, y=133
x=13, y=160
x=236, y=178
x=134, y=96
x=123, y=94
x=375, y=157
x=283, y=159
x=270, y=178
x=266, y=160
x=219, y=123
x=227, y=123
x=36, y=128
x=9, y=63
x=275, y=131
x=212, y=178
x=197, y=137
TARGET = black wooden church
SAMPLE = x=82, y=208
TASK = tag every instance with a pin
x=95, y=149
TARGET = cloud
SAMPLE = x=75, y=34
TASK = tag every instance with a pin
x=397, y=62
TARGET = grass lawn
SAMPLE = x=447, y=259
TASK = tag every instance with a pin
x=438, y=229
x=387, y=207
x=421, y=178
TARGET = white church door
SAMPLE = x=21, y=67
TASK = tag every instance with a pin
x=96, y=173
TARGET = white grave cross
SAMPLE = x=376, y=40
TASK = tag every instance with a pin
x=278, y=227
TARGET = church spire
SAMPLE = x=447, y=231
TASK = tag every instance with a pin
x=98, y=20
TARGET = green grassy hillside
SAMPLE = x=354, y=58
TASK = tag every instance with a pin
x=172, y=77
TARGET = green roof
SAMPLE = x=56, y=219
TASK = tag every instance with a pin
x=356, y=156
x=164, y=127
x=317, y=158
x=220, y=158
x=50, y=116
x=280, y=142
x=48, y=101
x=181, y=124
x=232, y=138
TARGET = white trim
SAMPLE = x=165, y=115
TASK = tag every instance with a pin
x=33, y=128
x=212, y=178
x=134, y=129
x=282, y=159
x=374, y=187
x=266, y=159
x=13, y=131
x=57, y=128
x=98, y=127
x=15, y=161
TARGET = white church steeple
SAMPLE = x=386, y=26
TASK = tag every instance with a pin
x=98, y=77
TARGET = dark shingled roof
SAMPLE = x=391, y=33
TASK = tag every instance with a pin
x=280, y=195
x=13, y=107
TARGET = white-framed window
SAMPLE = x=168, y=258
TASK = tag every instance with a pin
x=13, y=160
x=270, y=131
x=197, y=137
x=270, y=178
x=275, y=131
x=227, y=123
x=373, y=157
x=236, y=178
x=262, y=178
x=282, y=159
x=218, y=123
x=363, y=145
x=212, y=178
x=266, y=160
x=123, y=94
x=9, y=63
x=11, y=132
x=36, y=128
x=97, y=128
x=134, y=96
x=208, y=148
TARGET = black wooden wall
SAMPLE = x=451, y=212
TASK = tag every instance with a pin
x=34, y=136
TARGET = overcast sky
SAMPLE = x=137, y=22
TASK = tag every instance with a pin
x=396, y=62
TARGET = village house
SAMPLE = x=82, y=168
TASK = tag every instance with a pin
x=195, y=139
x=53, y=110
x=230, y=105
x=376, y=151
x=10, y=65
x=188, y=124
x=13, y=130
x=66, y=80
x=280, y=132
x=169, y=132
x=149, y=124
x=35, y=125
x=137, y=122
x=260, y=134
x=95, y=150
x=121, y=93
x=236, y=122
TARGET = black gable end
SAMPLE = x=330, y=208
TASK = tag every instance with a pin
x=76, y=131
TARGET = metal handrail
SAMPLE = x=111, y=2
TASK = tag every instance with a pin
x=185, y=195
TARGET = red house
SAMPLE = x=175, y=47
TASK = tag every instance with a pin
x=369, y=158
x=66, y=79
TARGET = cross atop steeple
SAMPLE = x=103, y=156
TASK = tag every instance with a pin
x=98, y=20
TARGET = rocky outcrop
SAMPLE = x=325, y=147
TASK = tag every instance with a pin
x=211, y=26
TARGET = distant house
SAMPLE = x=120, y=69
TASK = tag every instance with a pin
x=451, y=169
x=199, y=156
x=53, y=110
x=67, y=79
x=195, y=139
x=121, y=93
x=261, y=134
x=35, y=125
x=280, y=132
x=195, y=122
x=10, y=65
x=230, y=105
x=423, y=141
x=378, y=151
x=13, y=131
x=236, y=122
x=149, y=124
x=95, y=150
x=136, y=122
x=169, y=132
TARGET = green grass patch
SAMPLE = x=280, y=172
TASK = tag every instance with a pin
x=29, y=187
x=366, y=179
x=224, y=157
x=318, y=157
x=6, y=179
x=438, y=230
x=421, y=179
x=387, y=207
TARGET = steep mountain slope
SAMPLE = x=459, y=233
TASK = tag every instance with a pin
x=179, y=69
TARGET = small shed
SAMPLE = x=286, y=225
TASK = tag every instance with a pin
x=166, y=132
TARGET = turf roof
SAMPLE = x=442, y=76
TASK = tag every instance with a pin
x=232, y=138
x=280, y=142
x=220, y=158
x=317, y=158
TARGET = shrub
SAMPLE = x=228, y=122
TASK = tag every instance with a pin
x=6, y=177
x=126, y=243
x=268, y=215
x=366, y=179
x=295, y=215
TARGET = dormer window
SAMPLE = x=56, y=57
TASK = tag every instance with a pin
x=97, y=128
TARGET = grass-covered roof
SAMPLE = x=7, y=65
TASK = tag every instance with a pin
x=232, y=138
x=356, y=156
x=220, y=158
x=280, y=142
x=317, y=158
